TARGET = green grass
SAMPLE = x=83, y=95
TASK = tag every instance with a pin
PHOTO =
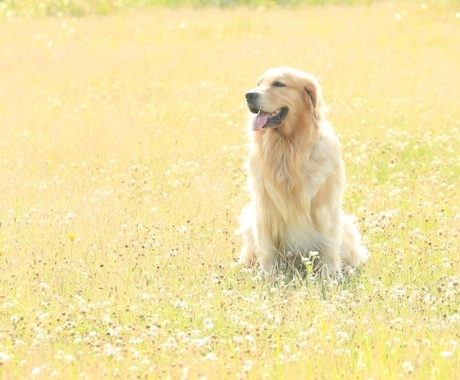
x=122, y=141
x=80, y=8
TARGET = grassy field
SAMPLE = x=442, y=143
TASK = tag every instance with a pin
x=122, y=141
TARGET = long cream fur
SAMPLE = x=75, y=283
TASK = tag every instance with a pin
x=296, y=179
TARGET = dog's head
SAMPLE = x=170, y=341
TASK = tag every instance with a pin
x=285, y=97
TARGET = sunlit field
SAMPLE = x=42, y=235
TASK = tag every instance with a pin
x=122, y=143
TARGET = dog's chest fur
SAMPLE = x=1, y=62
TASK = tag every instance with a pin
x=281, y=168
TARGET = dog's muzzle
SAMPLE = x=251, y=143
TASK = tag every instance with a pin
x=251, y=100
x=263, y=119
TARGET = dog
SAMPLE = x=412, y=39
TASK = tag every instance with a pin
x=296, y=180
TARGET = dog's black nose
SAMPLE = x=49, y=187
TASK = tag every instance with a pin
x=251, y=95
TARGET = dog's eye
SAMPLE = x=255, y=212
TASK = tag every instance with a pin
x=278, y=84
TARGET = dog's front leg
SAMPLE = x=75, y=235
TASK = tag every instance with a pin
x=331, y=261
x=267, y=254
x=329, y=224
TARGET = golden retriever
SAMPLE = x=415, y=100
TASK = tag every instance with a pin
x=296, y=180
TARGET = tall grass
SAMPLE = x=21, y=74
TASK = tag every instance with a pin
x=122, y=141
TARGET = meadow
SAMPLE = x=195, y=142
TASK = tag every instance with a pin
x=122, y=143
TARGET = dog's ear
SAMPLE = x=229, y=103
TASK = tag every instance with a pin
x=314, y=95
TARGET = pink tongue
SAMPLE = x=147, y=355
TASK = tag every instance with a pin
x=259, y=121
